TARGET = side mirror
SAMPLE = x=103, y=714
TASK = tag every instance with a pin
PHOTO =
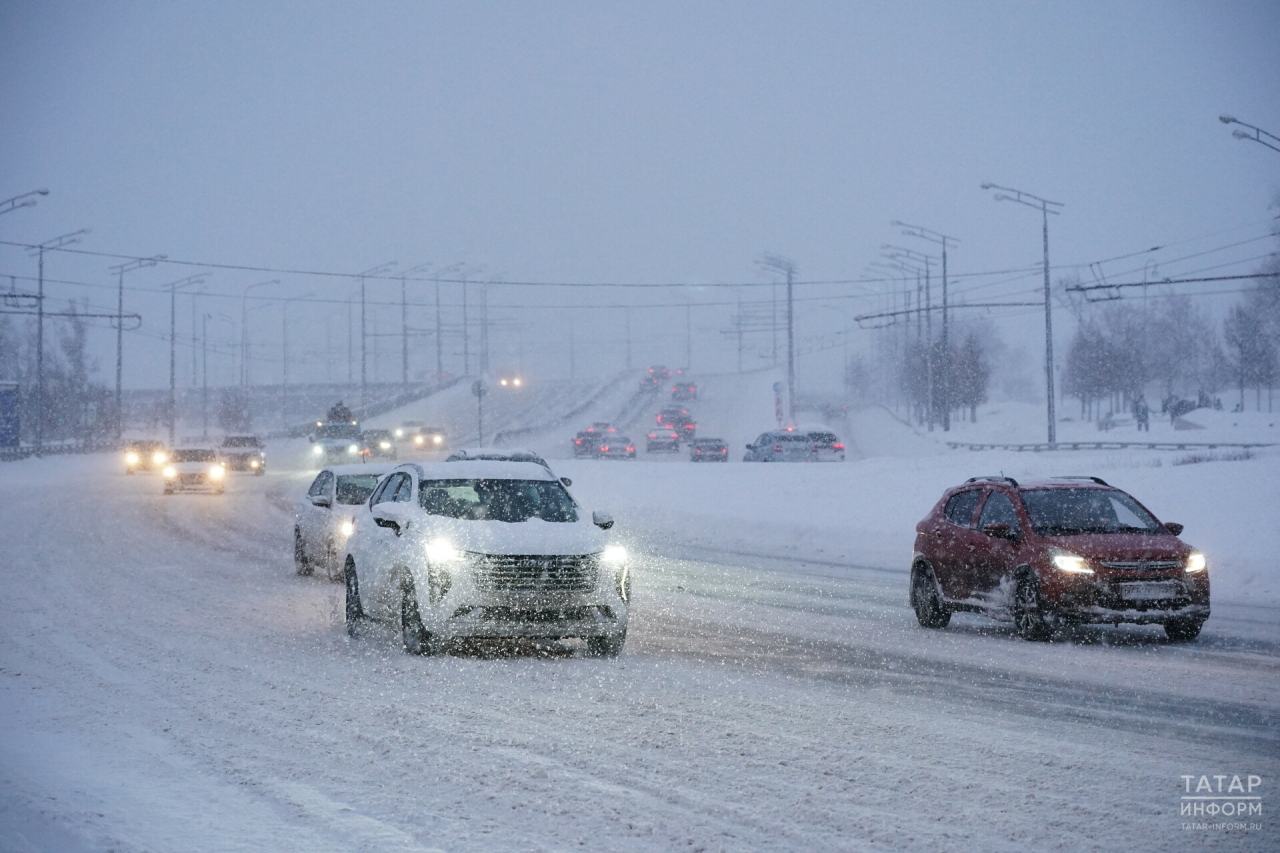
x=751, y=447
x=603, y=520
x=567, y=482
x=999, y=530
x=321, y=500
x=311, y=438
x=1173, y=527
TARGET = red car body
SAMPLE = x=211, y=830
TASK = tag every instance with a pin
x=1002, y=548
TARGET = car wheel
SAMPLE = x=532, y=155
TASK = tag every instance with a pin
x=931, y=610
x=1183, y=630
x=414, y=636
x=353, y=611
x=606, y=647
x=301, y=564
x=1029, y=615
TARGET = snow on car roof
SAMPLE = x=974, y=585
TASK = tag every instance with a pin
x=483, y=469
x=359, y=468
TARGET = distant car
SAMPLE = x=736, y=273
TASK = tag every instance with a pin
x=709, y=450
x=194, y=469
x=496, y=550
x=336, y=442
x=586, y=443
x=145, y=455
x=418, y=437
x=791, y=445
x=378, y=443
x=243, y=453
x=653, y=380
x=672, y=415
x=602, y=427
x=322, y=521
x=1053, y=552
x=617, y=447
x=494, y=454
x=827, y=445
x=663, y=438
x=684, y=391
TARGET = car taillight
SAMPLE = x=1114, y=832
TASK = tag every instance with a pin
x=724, y=450
x=777, y=448
x=630, y=449
x=837, y=447
x=606, y=447
x=698, y=450
x=577, y=441
x=688, y=426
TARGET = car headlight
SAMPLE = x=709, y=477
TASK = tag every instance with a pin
x=348, y=527
x=170, y=472
x=253, y=463
x=131, y=458
x=417, y=439
x=614, y=554
x=385, y=445
x=399, y=433
x=317, y=450
x=353, y=449
x=160, y=458
x=216, y=472
x=438, y=439
x=1065, y=561
x=1195, y=562
x=441, y=551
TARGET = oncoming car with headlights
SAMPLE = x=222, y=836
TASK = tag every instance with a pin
x=336, y=442
x=194, y=469
x=323, y=520
x=1052, y=552
x=485, y=549
x=148, y=455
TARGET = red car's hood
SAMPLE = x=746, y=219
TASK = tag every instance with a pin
x=1124, y=546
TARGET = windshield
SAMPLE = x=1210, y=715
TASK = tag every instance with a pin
x=824, y=437
x=194, y=456
x=337, y=431
x=240, y=441
x=1064, y=512
x=355, y=488
x=497, y=500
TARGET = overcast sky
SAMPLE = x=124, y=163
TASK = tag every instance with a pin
x=642, y=142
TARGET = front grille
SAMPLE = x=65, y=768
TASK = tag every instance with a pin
x=516, y=614
x=536, y=573
x=1142, y=565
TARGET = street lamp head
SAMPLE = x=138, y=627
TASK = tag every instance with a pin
x=1240, y=134
x=1226, y=119
x=43, y=192
x=987, y=186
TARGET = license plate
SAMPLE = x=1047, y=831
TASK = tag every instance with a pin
x=1150, y=590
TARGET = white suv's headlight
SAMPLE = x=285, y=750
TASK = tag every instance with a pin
x=353, y=449
x=1195, y=562
x=1065, y=561
x=441, y=551
x=317, y=450
x=614, y=554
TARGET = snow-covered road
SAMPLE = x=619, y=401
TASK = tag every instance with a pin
x=168, y=683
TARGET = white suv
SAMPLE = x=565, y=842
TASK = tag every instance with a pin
x=485, y=549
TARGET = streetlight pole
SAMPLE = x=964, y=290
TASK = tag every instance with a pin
x=120, y=270
x=25, y=200
x=173, y=351
x=55, y=243
x=204, y=374
x=784, y=265
x=930, y=407
x=1045, y=206
x=284, y=357
x=364, y=341
x=1256, y=136
x=404, y=325
x=944, y=241
x=244, y=330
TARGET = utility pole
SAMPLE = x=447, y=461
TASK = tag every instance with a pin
x=944, y=241
x=364, y=348
x=404, y=326
x=484, y=330
x=204, y=374
x=173, y=351
x=571, y=364
x=1044, y=206
x=688, y=335
x=784, y=265
x=898, y=257
x=55, y=243
x=120, y=270
x=284, y=357
x=626, y=312
x=244, y=330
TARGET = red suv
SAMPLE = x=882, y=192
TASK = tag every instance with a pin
x=1066, y=550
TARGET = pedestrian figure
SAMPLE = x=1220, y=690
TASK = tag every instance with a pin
x=1142, y=413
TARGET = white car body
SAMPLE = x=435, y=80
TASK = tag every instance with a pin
x=322, y=521
x=182, y=473
x=480, y=577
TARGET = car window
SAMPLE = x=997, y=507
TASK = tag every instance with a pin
x=195, y=456
x=1063, y=512
x=379, y=493
x=960, y=507
x=403, y=491
x=497, y=500
x=317, y=485
x=354, y=489
x=999, y=510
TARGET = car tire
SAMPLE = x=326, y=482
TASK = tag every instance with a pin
x=301, y=564
x=606, y=647
x=353, y=611
x=1183, y=630
x=1029, y=615
x=926, y=600
x=415, y=639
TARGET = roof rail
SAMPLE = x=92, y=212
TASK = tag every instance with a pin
x=1098, y=480
x=1008, y=480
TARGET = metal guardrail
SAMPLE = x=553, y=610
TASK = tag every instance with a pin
x=1105, y=445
